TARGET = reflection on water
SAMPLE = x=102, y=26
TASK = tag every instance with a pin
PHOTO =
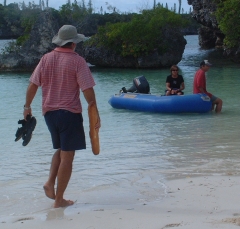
x=138, y=150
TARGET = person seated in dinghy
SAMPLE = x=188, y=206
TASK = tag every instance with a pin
x=174, y=82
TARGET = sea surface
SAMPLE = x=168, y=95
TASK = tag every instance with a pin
x=139, y=151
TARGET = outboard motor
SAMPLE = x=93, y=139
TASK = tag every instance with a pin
x=140, y=85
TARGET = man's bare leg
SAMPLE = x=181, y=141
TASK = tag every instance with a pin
x=63, y=177
x=213, y=105
x=218, y=103
x=49, y=185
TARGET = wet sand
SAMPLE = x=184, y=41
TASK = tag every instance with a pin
x=190, y=203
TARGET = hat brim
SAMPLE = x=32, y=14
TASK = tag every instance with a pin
x=56, y=40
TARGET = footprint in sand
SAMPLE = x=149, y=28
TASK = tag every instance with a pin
x=172, y=225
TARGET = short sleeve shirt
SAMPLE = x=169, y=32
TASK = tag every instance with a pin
x=200, y=81
x=62, y=73
x=175, y=82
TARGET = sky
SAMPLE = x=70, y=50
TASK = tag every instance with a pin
x=121, y=5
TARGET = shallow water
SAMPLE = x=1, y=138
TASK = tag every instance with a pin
x=139, y=151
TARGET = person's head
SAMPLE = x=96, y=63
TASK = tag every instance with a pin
x=69, y=45
x=205, y=65
x=67, y=35
x=174, y=70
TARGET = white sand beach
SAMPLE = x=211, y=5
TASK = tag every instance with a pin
x=154, y=171
x=190, y=203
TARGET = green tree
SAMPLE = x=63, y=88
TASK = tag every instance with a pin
x=190, y=10
x=28, y=17
x=174, y=8
x=143, y=34
x=228, y=18
x=90, y=7
x=180, y=5
x=11, y=14
x=74, y=13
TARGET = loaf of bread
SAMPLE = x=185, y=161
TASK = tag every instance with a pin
x=93, y=133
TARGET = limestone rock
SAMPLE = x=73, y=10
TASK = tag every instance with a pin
x=39, y=43
x=173, y=39
x=210, y=35
x=203, y=12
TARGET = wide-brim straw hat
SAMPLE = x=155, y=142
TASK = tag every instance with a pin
x=67, y=33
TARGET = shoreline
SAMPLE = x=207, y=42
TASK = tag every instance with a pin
x=191, y=202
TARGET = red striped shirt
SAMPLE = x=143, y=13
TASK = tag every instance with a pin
x=61, y=74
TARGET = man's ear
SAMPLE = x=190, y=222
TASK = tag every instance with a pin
x=73, y=45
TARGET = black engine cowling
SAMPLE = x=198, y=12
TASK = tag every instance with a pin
x=140, y=85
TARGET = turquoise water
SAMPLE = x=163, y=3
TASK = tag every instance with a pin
x=139, y=151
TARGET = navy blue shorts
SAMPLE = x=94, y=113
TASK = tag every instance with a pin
x=66, y=130
x=213, y=98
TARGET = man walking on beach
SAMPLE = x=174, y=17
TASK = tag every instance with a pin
x=199, y=85
x=61, y=74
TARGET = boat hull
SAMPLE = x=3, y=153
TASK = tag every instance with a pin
x=194, y=103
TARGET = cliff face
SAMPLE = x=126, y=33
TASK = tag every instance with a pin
x=40, y=42
x=203, y=11
x=209, y=34
x=12, y=32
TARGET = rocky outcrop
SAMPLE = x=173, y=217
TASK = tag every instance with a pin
x=207, y=38
x=203, y=12
x=39, y=43
x=12, y=32
x=173, y=40
x=210, y=35
x=47, y=26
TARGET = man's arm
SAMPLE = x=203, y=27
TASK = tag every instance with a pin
x=89, y=95
x=31, y=92
x=202, y=90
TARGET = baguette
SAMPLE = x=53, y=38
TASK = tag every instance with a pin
x=93, y=133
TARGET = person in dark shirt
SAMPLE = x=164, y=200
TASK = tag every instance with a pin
x=174, y=82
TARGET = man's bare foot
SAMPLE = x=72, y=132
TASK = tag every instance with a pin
x=49, y=191
x=63, y=203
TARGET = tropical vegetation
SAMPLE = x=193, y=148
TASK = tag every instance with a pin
x=142, y=34
x=228, y=18
x=21, y=17
x=126, y=33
